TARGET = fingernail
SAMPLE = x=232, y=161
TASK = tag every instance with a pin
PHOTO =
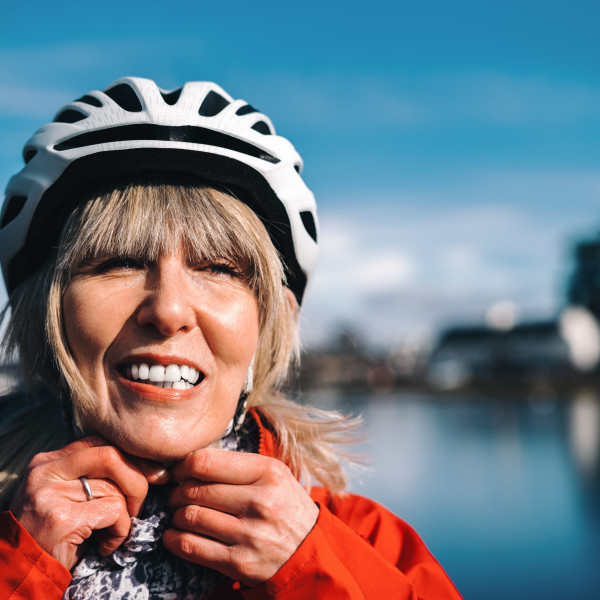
x=161, y=475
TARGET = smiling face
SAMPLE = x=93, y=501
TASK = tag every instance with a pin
x=129, y=323
x=186, y=297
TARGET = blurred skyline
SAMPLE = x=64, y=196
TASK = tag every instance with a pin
x=452, y=147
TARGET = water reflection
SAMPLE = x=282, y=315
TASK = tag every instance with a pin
x=504, y=491
x=584, y=432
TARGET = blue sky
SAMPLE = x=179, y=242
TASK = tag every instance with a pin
x=452, y=146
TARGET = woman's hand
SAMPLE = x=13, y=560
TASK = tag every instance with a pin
x=241, y=514
x=52, y=505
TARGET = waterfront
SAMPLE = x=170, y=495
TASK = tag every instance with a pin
x=505, y=492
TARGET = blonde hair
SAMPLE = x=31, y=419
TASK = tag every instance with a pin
x=144, y=221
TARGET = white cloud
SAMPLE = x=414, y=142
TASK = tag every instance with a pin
x=460, y=258
x=379, y=272
x=417, y=259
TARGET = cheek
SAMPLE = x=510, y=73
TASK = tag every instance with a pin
x=235, y=330
x=87, y=326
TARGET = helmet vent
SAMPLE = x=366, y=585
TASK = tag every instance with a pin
x=187, y=133
x=309, y=224
x=171, y=97
x=212, y=105
x=29, y=154
x=90, y=100
x=262, y=127
x=245, y=110
x=69, y=116
x=13, y=207
x=125, y=97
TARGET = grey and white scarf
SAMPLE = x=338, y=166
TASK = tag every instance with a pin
x=142, y=569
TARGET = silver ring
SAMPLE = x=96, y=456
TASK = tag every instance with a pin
x=86, y=487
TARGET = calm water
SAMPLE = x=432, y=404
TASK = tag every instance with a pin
x=505, y=493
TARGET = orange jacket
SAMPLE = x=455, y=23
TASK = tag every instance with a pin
x=356, y=550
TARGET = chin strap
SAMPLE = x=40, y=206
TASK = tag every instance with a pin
x=229, y=439
x=249, y=381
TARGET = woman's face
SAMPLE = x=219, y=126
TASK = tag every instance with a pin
x=128, y=324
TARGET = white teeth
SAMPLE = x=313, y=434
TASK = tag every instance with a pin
x=144, y=371
x=172, y=373
x=179, y=377
x=157, y=374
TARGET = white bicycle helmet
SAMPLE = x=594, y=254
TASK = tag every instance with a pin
x=133, y=127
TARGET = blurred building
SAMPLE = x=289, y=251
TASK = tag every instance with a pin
x=346, y=363
x=500, y=355
x=560, y=353
x=584, y=284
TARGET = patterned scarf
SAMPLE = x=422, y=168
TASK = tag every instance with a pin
x=142, y=569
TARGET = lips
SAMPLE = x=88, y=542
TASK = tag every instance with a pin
x=179, y=376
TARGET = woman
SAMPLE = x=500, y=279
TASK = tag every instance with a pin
x=156, y=248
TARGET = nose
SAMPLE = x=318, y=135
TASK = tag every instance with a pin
x=167, y=304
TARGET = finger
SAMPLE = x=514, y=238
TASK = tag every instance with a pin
x=110, y=516
x=105, y=462
x=110, y=539
x=228, y=498
x=209, y=523
x=211, y=464
x=86, y=442
x=201, y=550
x=100, y=488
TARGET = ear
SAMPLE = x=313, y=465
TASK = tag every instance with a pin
x=291, y=298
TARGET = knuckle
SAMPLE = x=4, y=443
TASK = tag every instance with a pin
x=193, y=490
x=115, y=503
x=277, y=471
x=261, y=505
x=270, y=505
x=109, y=456
x=192, y=515
x=36, y=475
x=187, y=545
x=201, y=462
x=38, y=459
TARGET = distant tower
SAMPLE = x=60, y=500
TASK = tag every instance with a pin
x=584, y=285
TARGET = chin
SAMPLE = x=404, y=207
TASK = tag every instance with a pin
x=160, y=447
x=164, y=453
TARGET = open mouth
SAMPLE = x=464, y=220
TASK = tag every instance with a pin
x=178, y=377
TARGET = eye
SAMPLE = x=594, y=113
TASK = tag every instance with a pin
x=117, y=263
x=226, y=268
